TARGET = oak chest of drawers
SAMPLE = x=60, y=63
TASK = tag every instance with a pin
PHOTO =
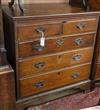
x=49, y=50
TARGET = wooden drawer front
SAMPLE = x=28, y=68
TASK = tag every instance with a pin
x=76, y=27
x=30, y=32
x=55, y=45
x=42, y=64
x=98, y=72
x=53, y=80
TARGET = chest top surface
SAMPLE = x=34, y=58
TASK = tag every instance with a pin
x=46, y=10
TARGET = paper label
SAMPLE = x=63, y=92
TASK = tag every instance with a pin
x=42, y=41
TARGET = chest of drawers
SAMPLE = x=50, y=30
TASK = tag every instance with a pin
x=65, y=58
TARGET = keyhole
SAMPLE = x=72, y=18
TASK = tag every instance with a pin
x=59, y=73
x=59, y=56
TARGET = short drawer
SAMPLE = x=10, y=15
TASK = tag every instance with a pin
x=80, y=26
x=41, y=64
x=29, y=32
x=98, y=71
x=53, y=80
x=55, y=45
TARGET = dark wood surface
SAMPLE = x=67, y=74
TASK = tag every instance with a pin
x=94, y=4
x=7, y=88
x=7, y=80
x=1, y=33
x=98, y=72
x=3, y=60
x=46, y=10
x=96, y=75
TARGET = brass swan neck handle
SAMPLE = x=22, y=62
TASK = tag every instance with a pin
x=19, y=4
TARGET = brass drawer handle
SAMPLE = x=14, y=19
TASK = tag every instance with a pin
x=80, y=26
x=79, y=41
x=39, y=84
x=40, y=29
x=60, y=42
x=77, y=57
x=39, y=65
x=38, y=47
x=75, y=75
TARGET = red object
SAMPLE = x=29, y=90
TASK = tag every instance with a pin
x=73, y=102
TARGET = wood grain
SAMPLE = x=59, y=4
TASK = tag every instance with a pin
x=7, y=89
x=30, y=32
x=28, y=67
x=74, y=27
x=94, y=4
x=39, y=11
x=28, y=49
x=53, y=80
x=1, y=30
x=97, y=76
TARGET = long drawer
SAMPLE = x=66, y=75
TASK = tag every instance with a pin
x=55, y=45
x=48, y=81
x=41, y=64
x=80, y=26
